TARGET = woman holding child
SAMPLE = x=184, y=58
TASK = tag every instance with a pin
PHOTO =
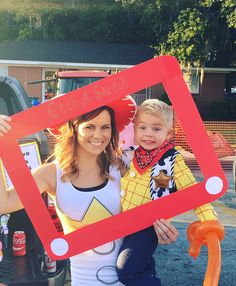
x=84, y=182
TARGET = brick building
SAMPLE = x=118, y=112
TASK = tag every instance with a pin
x=39, y=60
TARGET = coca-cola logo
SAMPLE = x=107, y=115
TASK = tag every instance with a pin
x=19, y=240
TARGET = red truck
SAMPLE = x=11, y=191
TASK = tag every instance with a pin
x=66, y=81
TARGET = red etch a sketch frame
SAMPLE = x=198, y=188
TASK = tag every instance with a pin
x=163, y=69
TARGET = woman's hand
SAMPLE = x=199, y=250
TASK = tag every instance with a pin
x=4, y=126
x=165, y=231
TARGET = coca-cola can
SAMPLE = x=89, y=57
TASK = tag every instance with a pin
x=19, y=243
x=50, y=264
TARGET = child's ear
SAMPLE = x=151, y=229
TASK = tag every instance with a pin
x=170, y=133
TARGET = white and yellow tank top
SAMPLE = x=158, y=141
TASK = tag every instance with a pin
x=76, y=208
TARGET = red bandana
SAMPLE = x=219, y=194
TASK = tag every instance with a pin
x=144, y=159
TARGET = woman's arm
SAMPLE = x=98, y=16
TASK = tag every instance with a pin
x=45, y=178
x=6, y=198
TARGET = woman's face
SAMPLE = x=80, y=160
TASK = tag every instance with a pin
x=95, y=135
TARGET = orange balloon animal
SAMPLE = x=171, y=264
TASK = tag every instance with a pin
x=208, y=233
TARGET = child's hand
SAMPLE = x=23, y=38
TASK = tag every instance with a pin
x=165, y=231
x=4, y=126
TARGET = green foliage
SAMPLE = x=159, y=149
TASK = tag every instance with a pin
x=195, y=31
x=187, y=39
x=85, y=24
x=227, y=10
x=7, y=20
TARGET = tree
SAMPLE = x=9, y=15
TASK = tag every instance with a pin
x=227, y=10
x=187, y=39
x=29, y=17
x=221, y=16
x=197, y=32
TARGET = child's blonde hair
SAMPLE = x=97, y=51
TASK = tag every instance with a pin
x=157, y=108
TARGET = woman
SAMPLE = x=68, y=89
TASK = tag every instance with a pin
x=84, y=181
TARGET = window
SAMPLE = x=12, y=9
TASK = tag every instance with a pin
x=68, y=84
x=192, y=81
x=49, y=87
x=142, y=95
x=3, y=71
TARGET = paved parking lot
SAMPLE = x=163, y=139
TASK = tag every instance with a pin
x=176, y=267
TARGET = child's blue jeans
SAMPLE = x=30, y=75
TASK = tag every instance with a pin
x=135, y=264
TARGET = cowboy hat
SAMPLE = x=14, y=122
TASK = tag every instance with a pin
x=124, y=109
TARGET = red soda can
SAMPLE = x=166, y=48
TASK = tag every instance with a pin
x=50, y=264
x=19, y=243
